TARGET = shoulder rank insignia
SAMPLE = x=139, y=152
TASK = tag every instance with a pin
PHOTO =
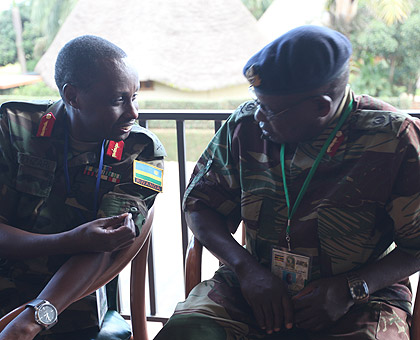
x=46, y=126
x=335, y=144
x=147, y=175
x=115, y=149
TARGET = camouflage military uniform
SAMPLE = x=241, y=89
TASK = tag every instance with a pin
x=34, y=195
x=363, y=197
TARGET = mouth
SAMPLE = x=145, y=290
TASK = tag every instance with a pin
x=126, y=127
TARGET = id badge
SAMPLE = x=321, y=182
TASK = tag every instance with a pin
x=101, y=304
x=292, y=268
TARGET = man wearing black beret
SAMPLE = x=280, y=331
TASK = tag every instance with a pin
x=327, y=184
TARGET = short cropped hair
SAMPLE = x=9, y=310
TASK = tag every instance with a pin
x=337, y=87
x=77, y=62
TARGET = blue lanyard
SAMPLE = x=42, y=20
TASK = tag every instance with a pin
x=66, y=169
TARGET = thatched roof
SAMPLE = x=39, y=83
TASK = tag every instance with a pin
x=284, y=15
x=195, y=45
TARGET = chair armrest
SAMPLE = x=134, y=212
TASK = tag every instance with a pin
x=137, y=283
x=193, y=265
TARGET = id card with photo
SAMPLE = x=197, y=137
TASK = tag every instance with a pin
x=292, y=268
x=102, y=305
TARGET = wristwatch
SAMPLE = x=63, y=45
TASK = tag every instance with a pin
x=359, y=290
x=45, y=312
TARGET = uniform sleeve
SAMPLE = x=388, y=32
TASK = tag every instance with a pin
x=8, y=167
x=215, y=180
x=404, y=207
x=127, y=196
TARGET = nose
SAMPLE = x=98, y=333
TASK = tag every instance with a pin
x=259, y=116
x=133, y=110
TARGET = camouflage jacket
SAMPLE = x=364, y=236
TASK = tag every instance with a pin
x=34, y=196
x=363, y=199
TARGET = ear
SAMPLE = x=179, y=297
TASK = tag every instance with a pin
x=325, y=104
x=70, y=95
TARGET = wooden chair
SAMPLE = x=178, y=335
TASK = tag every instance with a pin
x=193, y=277
x=137, y=282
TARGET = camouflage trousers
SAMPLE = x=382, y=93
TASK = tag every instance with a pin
x=216, y=310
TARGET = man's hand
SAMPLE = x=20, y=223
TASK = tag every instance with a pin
x=104, y=234
x=267, y=295
x=321, y=303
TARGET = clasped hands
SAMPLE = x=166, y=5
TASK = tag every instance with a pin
x=316, y=307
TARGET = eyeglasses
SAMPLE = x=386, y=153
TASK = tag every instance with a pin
x=269, y=114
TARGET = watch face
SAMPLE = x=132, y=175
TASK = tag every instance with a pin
x=47, y=314
x=359, y=290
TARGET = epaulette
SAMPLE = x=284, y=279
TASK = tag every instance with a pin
x=375, y=120
x=31, y=105
x=246, y=109
x=159, y=150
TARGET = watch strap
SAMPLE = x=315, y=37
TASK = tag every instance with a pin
x=35, y=303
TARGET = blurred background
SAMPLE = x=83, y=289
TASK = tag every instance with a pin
x=190, y=55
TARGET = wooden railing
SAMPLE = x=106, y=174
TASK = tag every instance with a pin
x=180, y=117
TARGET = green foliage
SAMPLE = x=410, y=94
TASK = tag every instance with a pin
x=385, y=57
x=49, y=16
x=7, y=47
x=257, y=7
x=370, y=75
x=30, y=33
x=41, y=20
x=35, y=90
x=391, y=11
x=196, y=141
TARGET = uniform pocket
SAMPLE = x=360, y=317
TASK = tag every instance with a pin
x=35, y=175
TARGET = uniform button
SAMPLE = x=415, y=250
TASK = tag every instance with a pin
x=134, y=210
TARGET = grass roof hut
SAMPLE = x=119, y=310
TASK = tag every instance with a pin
x=182, y=48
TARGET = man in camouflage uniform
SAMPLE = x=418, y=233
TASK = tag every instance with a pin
x=363, y=199
x=60, y=225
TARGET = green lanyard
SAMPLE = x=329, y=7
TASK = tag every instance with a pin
x=305, y=185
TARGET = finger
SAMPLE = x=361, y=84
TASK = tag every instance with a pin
x=121, y=232
x=129, y=222
x=268, y=317
x=287, y=312
x=118, y=240
x=259, y=315
x=277, y=316
x=113, y=220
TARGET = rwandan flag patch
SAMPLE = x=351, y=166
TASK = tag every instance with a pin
x=147, y=175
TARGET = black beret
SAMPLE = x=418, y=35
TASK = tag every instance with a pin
x=300, y=60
